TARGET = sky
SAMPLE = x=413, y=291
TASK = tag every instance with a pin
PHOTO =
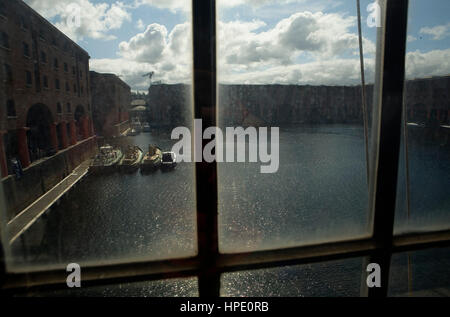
x=259, y=41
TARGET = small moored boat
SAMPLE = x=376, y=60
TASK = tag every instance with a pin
x=146, y=127
x=169, y=160
x=106, y=159
x=133, y=132
x=132, y=158
x=152, y=159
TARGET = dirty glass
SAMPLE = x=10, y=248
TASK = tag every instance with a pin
x=86, y=88
x=423, y=200
x=294, y=69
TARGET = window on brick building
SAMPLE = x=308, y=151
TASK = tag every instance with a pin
x=57, y=84
x=8, y=73
x=26, y=49
x=23, y=23
x=29, y=78
x=4, y=40
x=10, y=108
x=55, y=63
x=69, y=108
x=58, y=108
x=66, y=67
x=73, y=70
x=45, y=81
x=42, y=35
x=43, y=57
x=74, y=88
x=2, y=10
x=67, y=86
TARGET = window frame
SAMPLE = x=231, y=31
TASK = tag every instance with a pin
x=209, y=264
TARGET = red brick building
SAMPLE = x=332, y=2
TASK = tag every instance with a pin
x=111, y=98
x=44, y=92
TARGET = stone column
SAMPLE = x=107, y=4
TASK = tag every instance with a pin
x=91, y=127
x=53, y=136
x=24, y=154
x=73, y=133
x=84, y=127
x=3, y=164
x=63, y=132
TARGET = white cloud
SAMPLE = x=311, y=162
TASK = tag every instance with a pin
x=173, y=5
x=438, y=32
x=424, y=64
x=302, y=36
x=305, y=48
x=168, y=54
x=147, y=46
x=313, y=48
x=330, y=72
x=411, y=38
x=140, y=25
x=186, y=5
x=96, y=20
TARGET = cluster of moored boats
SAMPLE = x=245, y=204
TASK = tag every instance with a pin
x=133, y=158
x=137, y=127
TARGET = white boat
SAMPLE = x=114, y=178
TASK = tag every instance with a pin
x=107, y=157
x=132, y=158
x=169, y=160
x=146, y=127
x=152, y=159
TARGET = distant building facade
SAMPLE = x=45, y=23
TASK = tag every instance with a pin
x=169, y=106
x=427, y=101
x=139, y=110
x=44, y=88
x=111, y=99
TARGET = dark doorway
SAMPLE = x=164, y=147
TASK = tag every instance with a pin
x=79, y=114
x=39, y=119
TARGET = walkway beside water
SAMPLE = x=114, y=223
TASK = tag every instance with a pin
x=20, y=223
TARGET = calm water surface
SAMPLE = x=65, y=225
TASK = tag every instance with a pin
x=319, y=193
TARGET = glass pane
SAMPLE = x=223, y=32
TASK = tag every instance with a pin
x=161, y=288
x=423, y=200
x=77, y=182
x=328, y=279
x=295, y=67
x=420, y=273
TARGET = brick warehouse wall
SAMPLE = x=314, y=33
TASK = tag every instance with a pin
x=39, y=178
x=111, y=98
x=35, y=45
x=29, y=43
x=169, y=105
x=278, y=105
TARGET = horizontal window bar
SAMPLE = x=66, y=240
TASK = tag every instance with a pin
x=188, y=267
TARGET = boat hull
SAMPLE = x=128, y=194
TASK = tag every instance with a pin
x=130, y=167
x=105, y=168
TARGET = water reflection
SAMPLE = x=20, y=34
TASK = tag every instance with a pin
x=117, y=216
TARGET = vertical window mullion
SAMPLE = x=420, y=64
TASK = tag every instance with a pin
x=387, y=127
x=204, y=58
